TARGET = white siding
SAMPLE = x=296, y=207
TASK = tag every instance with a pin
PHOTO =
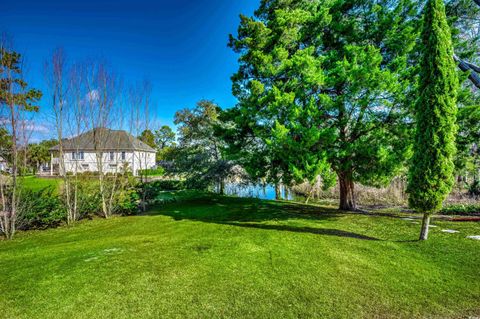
x=143, y=160
x=133, y=161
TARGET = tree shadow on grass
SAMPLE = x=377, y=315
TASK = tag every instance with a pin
x=311, y=230
x=251, y=213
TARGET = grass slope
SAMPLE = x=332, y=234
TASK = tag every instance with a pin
x=36, y=183
x=241, y=258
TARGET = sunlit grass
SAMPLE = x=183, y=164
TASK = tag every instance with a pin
x=36, y=183
x=241, y=258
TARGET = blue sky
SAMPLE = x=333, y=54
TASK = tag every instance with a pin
x=181, y=46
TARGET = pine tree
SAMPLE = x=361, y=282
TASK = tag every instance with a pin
x=431, y=173
x=15, y=97
x=323, y=87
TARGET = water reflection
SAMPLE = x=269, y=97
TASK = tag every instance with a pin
x=256, y=191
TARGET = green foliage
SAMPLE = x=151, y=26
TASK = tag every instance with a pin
x=164, y=185
x=474, y=188
x=317, y=94
x=38, y=154
x=165, y=141
x=199, y=156
x=127, y=201
x=167, y=154
x=461, y=209
x=41, y=208
x=431, y=173
x=89, y=198
x=38, y=193
x=165, y=197
x=5, y=145
x=14, y=91
x=463, y=18
x=127, y=194
x=148, y=138
x=164, y=137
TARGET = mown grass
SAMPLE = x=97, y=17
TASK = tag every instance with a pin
x=36, y=183
x=241, y=258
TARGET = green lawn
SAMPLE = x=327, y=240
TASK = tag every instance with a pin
x=36, y=183
x=241, y=258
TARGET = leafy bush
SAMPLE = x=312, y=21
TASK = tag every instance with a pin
x=45, y=207
x=89, y=199
x=461, y=209
x=125, y=190
x=127, y=202
x=41, y=208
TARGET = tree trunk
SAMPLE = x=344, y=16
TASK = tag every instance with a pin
x=347, y=195
x=278, y=191
x=221, y=187
x=425, y=226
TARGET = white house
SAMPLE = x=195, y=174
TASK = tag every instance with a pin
x=4, y=166
x=112, y=150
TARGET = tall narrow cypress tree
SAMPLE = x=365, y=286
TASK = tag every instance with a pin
x=431, y=173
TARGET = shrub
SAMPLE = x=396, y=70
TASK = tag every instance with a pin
x=41, y=209
x=127, y=202
x=461, y=209
x=89, y=199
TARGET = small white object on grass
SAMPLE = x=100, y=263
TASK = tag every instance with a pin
x=112, y=250
x=432, y=225
x=476, y=237
x=407, y=218
x=450, y=231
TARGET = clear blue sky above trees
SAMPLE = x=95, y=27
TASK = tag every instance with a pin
x=180, y=45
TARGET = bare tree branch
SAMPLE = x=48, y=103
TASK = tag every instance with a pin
x=468, y=67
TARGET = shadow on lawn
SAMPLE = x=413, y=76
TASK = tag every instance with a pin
x=319, y=231
x=249, y=213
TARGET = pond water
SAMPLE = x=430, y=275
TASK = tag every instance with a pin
x=256, y=191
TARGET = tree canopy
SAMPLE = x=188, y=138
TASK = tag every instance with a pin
x=200, y=150
x=164, y=137
x=148, y=138
x=327, y=86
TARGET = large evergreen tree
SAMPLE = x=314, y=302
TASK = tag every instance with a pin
x=431, y=173
x=324, y=85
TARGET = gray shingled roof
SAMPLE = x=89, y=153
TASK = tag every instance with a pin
x=104, y=139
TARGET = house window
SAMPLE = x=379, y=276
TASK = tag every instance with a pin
x=123, y=156
x=77, y=155
x=112, y=156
